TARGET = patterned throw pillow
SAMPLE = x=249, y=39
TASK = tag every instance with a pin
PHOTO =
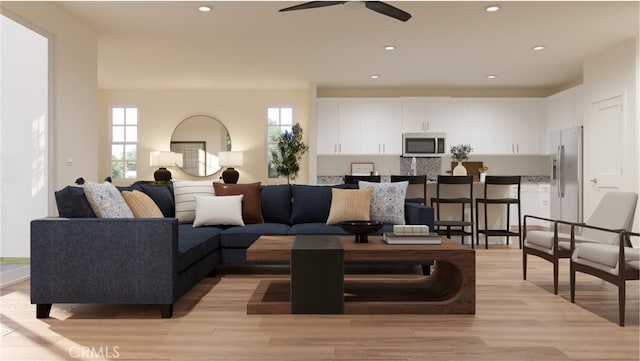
x=184, y=194
x=106, y=201
x=387, y=201
x=141, y=204
x=349, y=205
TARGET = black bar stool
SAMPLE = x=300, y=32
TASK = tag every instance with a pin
x=489, y=185
x=353, y=179
x=453, y=183
x=413, y=179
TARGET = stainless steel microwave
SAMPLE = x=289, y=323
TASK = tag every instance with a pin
x=423, y=144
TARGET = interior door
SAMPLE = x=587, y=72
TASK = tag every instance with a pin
x=603, y=150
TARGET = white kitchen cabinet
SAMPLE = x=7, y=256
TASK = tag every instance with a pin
x=504, y=126
x=563, y=110
x=353, y=127
x=439, y=115
x=534, y=200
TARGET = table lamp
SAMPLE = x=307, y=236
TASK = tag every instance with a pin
x=164, y=160
x=230, y=160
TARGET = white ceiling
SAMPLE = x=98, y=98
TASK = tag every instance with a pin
x=250, y=45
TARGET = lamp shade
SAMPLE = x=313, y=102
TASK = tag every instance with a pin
x=230, y=159
x=165, y=159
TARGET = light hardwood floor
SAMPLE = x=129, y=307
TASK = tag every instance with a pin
x=514, y=320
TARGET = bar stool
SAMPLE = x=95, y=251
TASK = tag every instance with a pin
x=490, y=184
x=452, y=184
x=413, y=179
x=353, y=179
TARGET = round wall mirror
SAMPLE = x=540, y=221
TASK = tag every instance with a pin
x=199, y=139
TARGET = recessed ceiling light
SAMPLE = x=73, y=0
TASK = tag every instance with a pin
x=389, y=47
x=491, y=76
x=492, y=8
x=375, y=76
x=204, y=8
x=537, y=47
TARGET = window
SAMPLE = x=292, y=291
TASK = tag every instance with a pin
x=124, y=142
x=279, y=119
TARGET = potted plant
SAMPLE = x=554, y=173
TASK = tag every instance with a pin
x=286, y=157
x=460, y=153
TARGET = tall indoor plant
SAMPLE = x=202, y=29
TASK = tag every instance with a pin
x=286, y=157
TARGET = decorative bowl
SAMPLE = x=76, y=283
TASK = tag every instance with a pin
x=360, y=229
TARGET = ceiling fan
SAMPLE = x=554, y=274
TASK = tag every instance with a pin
x=377, y=6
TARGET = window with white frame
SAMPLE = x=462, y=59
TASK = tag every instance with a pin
x=279, y=119
x=124, y=142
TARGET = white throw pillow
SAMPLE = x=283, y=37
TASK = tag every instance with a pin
x=218, y=210
x=106, y=201
x=387, y=201
x=184, y=192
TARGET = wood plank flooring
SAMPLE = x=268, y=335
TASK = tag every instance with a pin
x=514, y=320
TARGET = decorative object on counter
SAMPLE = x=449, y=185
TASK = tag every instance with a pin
x=460, y=153
x=413, y=166
x=362, y=169
x=286, y=158
x=230, y=160
x=361, y=229
x=164, y=160
x=483, y=173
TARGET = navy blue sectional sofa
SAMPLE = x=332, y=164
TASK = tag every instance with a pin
x=83, y=259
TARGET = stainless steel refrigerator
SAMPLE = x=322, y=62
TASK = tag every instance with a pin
x=566, y=174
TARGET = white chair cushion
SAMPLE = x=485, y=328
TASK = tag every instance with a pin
x=602, y=254
x=632, y=257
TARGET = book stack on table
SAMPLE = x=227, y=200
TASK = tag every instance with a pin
x=412, y=234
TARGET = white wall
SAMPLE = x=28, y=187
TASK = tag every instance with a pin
x=74, y=101
x=23, y=135
x=243, y=113
x=610, y=73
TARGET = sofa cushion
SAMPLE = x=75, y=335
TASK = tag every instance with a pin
x=349, y=205
x=311, y=204
x=251, y=208
x=387, y=201
x=195, y=243
x=141, y=205
x=162, y=195
x=218, y=210
x=243, y=237
x=106, y=201
x=73, y=203
x=276, y=203
x=185, y=202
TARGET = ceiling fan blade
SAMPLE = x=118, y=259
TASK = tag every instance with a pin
x=386, y=9
x=313, y=4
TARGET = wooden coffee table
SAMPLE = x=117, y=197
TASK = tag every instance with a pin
x=451, y=287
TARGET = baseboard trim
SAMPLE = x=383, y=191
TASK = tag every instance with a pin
x=14, y=276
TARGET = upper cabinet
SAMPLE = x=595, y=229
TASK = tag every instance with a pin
x=491, y=126
x=359, y=126
x=564, y=110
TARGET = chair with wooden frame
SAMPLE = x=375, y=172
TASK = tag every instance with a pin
x=610, y=262
x=614, y=211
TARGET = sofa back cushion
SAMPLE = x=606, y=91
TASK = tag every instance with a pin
x=72, y=203
x=276, y=203
x=162, y=195
x=311, y=204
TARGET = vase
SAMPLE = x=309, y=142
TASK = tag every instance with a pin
x=459, y=169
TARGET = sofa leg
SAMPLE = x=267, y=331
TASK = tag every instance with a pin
x=166, y=311
x=42, y=310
